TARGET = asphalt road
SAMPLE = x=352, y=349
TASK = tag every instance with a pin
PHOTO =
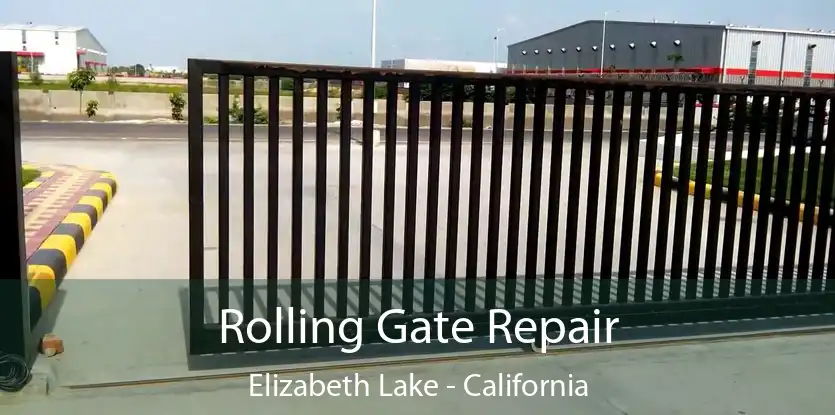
x=91, y=130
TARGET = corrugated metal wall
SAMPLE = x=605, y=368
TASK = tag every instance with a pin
x=771, y=54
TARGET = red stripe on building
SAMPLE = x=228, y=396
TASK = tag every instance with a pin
x=30, y=54
x=760, y=73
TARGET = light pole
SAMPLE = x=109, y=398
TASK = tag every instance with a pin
x=603, y=41
x=496, y=50
x=373, y=33
x=375, y=138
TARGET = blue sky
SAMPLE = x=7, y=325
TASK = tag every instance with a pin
x=338, y=32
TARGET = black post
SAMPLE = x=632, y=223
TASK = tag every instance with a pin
x=15, y=332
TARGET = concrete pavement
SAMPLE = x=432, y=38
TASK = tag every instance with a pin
x=769, y=376
x=121, y=320
x=157, y=171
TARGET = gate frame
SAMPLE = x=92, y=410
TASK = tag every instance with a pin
x=205, y=338
x=16, y=335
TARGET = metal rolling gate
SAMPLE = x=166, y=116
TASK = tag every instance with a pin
x=18, y=334
x=713, y=262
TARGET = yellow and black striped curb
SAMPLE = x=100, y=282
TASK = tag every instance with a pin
x=38, y=181
x=48, y=265
x=691, y=189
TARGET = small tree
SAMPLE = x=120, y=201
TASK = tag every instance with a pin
x=79, y=79
x=112, y=83
x=178, y=102
x=92, y=108
x=36, y=79
x=676, y=59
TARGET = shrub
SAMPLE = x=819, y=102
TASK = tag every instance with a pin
x=36, y=79
x=178, y=102
x=236, y=113
x=112, y=84
x=92, y=108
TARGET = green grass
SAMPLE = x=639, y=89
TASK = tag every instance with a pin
x=157, y=88
x=758, y=182
x=27, y=175
x=209, y=87
x=101, y=86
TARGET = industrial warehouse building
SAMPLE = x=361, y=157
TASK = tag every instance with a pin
x=721, y=53
x=53, y=50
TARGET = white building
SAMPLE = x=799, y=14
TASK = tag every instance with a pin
x=53, y=50
x=164, y=69
x=439, y=65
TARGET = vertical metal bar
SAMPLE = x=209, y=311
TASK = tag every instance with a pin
x=321, y=196
x=824, y=217
x=793, y=212
x=249, y=198
x=648, y=189
x=15, y=318
x=752, y=168
x=593, y=193
x=665, y=189
x=454, y=195
x=554, y=181
x=699, y=193
x=343, y=242
x=297, y=187
x=537, y=144
x=474, y=196
x=514, y=204
x=716, y=194
x=496, y=162
x=779, y=206
x=432, y=196
x=629, y=188
x=740, y=121
x=610, y=208
x=830, y=266
x=388, y=193
x=366, y=195
x=196, y=258
x=223, y=193
x=765, y=208
x=574, y=180
x=682, y=194
x=272, y=197
x=811, y=199
x=412, y=132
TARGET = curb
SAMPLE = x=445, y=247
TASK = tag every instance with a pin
x=50, y=262
x=740, y=195
x=38, y=181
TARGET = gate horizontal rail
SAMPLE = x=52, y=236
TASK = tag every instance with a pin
x=552, y=229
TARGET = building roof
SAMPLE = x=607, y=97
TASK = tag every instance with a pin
x=718, y=26
x=45, y=28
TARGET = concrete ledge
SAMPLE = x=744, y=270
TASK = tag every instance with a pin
x=48, y=265
x=692, y=185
